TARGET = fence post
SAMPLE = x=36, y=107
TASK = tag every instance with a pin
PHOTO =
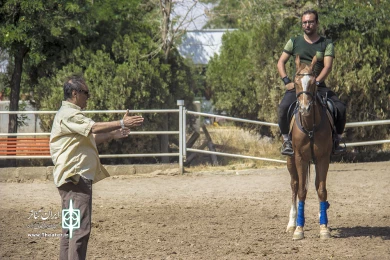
x=180, y=103
x=184, y=134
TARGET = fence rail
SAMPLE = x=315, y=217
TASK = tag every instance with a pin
x=233, y=118
x=182, y=154
x=96, y=111
x=131, y=133
x=235, y=155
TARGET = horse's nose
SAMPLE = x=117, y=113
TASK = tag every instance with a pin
x=305, y=110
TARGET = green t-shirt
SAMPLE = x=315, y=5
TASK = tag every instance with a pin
x=306, y=51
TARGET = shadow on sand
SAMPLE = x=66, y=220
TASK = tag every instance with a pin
x=345, y=232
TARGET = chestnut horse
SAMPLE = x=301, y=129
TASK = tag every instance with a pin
x=312, y=142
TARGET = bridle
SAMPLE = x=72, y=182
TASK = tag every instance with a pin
x=311, y=94
x=315, y=127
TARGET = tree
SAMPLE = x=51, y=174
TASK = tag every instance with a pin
x=27, y=27
x=172, y=28
x=361, y=73
x=243, y=77
x=245, y=14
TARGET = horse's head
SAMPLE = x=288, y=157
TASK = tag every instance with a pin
x=305, y=85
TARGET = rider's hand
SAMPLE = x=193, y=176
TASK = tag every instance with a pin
x=290, y=86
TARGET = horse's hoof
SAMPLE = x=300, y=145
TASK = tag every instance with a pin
x=298, y=233
x=324, y=232
x=290, y=229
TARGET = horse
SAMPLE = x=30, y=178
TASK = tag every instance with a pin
x=312, y=143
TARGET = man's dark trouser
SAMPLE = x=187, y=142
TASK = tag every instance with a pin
x=290, y=97
x=81, y=195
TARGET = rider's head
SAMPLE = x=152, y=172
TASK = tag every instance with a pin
x=311, y=11
x=309, y=21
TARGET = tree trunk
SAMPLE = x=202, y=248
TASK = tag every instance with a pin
x=15, y=94
x=165, y=7
x=15, y=88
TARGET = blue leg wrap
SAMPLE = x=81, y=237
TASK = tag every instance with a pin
x=324, y=205
x=301, y=214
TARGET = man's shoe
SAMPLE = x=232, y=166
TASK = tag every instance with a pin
x=338, y=149
x=287, y=148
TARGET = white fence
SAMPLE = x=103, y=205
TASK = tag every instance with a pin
x=182, y=154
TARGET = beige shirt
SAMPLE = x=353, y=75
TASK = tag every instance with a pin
x=73, y=147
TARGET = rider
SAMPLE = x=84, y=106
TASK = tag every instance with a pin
x=306, y=46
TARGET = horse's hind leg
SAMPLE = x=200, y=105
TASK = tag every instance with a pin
x=321, y=174
x=292, y=222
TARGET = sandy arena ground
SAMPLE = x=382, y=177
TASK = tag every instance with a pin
x=214, y=215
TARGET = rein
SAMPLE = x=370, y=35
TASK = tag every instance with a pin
x=310, y=134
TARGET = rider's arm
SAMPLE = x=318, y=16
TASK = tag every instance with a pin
x=282, y=69
x=328, y=62
x=282, y=64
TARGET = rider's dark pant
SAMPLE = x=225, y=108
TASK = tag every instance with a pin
x=290, y=97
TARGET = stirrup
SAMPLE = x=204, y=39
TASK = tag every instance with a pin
x=287, y=148
x=338, y=149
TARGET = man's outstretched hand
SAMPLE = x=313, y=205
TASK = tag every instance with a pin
x=132, y=121
x=120, y=133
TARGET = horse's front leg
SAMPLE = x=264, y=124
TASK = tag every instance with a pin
x=302, y=169
x=292, y=222
x=321, y=174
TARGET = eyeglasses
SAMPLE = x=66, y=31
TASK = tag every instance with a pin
x=311, y=22
x=85, y=92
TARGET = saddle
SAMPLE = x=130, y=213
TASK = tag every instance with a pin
x=331, y=112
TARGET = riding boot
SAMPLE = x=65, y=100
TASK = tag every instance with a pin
x=287, y=148
x=338, y=149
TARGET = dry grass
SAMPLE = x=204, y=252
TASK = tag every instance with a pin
x=233, y=140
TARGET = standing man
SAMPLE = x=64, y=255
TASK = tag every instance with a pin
x=306, y=47
x=76, y=160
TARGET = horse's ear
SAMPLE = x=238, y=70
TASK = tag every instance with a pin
x=297, y=62
x=313, y=62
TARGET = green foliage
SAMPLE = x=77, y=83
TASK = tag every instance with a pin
x=36, y=23
x=362, y=81
x=224, y=15
x=243, y=78
x=361, y=31
x=369, y=18
x=247, y=14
